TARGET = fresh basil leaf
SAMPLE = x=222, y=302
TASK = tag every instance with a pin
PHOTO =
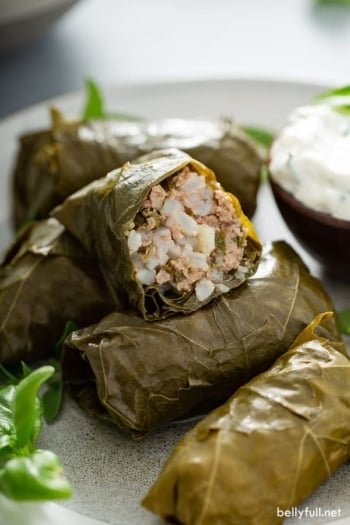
x=25, y=370
x=337, y=98
x=343, y=320
x=7, y=426
x=38, y=476
x=27, y=473
x=68, y=329
x=263, y=137
x=27, y=406
x=343, y=91
x=20, y=410
x=94, y=105
x=53, y=395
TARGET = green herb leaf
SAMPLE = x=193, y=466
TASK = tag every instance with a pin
x=38, y=476
x=53, y=395
x=68, y=329
x=27, y=473
x=263, y=137
x=337, y=98
x=94, y=106
x=343, y=320
x=27, y=407
x=7, y=427
x=25, y=370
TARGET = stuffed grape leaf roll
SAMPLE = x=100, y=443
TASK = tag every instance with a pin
x=53, y=163
x=269, y=447
x=166, y=231
x=142, y=375
x=46, y=280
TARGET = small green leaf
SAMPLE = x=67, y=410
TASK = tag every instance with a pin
x=68, y=329
x=27, y=473
x=94, y=106
x=7, y=426
x=27, y=406
x=343, y=91
x=337, y=98
x=35, y=477
x=53, y=395
x=263, y=137
x=343, y=320
x=25, y=370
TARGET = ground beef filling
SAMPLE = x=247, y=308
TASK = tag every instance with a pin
x=186, y=237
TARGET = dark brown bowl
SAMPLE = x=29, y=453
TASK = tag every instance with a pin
x=326, y=238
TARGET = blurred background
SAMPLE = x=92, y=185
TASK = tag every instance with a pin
x=49, y=47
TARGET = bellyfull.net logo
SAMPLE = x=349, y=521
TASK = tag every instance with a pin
x=308, y=512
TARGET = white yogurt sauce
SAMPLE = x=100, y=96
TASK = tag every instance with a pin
x=310, y=158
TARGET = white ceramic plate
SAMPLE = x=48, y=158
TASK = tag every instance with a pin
x=110, y=473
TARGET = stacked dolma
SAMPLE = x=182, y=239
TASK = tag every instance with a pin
x=142, y=375
x=46, y=280
x=54, y=163
x=268, y=448
x=166, y=232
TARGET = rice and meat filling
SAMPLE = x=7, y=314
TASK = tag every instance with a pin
x=187, y=236
x=168, y=236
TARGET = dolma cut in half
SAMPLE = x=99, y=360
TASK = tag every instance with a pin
x=142, y=375
x=46, y=280
x=167, y=232
x=268, y=448
x=53, y=163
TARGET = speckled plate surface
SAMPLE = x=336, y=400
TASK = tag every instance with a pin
x=109, y=472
